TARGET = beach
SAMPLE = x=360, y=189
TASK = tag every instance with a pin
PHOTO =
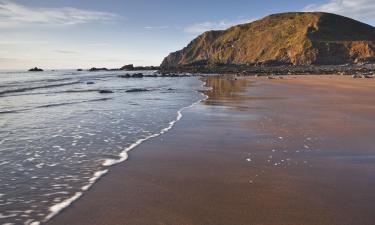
x=293, y=151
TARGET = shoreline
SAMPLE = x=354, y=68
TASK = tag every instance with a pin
x=108, y=163
x=129, y=194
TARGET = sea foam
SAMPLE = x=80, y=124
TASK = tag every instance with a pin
x=55, y=209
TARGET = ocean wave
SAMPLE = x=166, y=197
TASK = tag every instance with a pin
x=53, y=105
x=80, y=91
x=29, y=82
x=54, y=92
x=55, y=209
x=24, y=89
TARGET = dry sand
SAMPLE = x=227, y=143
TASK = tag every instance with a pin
x=292, y=151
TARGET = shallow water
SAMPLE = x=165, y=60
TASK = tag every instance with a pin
x=58, y=134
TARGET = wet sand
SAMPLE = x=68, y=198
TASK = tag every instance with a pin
x=294, y=151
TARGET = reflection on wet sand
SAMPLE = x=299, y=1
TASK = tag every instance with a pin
x=225, y=88
x=231, y=92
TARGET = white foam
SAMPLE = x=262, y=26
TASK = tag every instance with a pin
x=123, y=156
x=3, y=163
x=58, y=148
x=57, y=193
x=3, y=216
x=55, y=209
x=40, y=165
x=35, y=223
x=93, y=179
x=52, y=165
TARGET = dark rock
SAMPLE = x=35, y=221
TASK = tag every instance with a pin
x=175, y=75
x=36, y=69
x=94, y=69
x=136, y=75
x=79, y=70
x=127, y=67
x=90, y=82
x=139, y=68
x=106, y=92
x=137, y=90
x=131, y=67
x=124, y=76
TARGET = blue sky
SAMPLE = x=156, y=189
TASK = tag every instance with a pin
x=111, y=33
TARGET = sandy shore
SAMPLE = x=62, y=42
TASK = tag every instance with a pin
x=294, y=151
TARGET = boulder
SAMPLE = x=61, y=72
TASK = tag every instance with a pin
x=94, y=69
x=136, y=75
x=35, y=69
x=137, y=90
x=106, y=92
x=124, y=76
x=127, y=67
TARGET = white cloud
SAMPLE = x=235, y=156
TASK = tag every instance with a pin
x=209, y=25
x=357, y=9
x=16, y=15
x=65, y=51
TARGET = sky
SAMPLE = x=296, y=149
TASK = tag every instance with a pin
x=67, y=34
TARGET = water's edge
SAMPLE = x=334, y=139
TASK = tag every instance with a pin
x=59, y=207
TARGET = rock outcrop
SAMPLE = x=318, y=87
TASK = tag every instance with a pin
x=36, y=69
x=94, y=69
x=127, y=67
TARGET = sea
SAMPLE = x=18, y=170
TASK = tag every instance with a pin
x=59, y=134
